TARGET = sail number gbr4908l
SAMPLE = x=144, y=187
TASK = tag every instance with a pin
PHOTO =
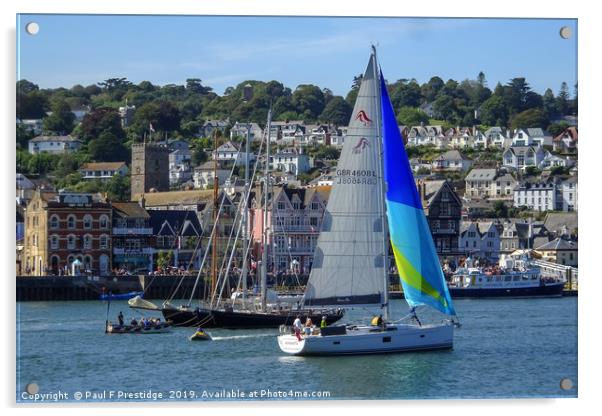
x=356, y=177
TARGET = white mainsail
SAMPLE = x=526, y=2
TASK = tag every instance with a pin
x=348, y=260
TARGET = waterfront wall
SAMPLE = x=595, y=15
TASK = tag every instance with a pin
x=57, y=288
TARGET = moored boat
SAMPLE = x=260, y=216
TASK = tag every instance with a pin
x=153, y=328
x=512, y=278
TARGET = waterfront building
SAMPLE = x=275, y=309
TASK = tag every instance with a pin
x=54, y=144
x=522, y=234
x=150, y=168
x=479, y=182
x=132, y=238
x=177, y=235
x=103, y=170
x=229, y=153
x=294, y=221
x=561, y=251
x=568, y=192
x=481, y=239
x=67, y=229
x=562, y=224
x=443, y=209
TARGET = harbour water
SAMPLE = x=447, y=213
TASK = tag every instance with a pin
x=506, y=348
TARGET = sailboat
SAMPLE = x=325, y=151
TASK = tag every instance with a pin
x=374, y=199
x=217, y=313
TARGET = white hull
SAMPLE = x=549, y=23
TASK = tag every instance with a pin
x=372, y=340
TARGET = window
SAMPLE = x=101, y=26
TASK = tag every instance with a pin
x=104, y=222
x=104, y=242
x=71, y=222
x=315, y=206
x=54, y=222
x=87, y=242
x=71, y=243
x=87, y=222
x=281, y=205
x=54, y=242
x=313, y=221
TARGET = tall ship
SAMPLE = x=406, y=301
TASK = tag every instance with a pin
x=512, y=277
x=243, y=308
x=374, y=201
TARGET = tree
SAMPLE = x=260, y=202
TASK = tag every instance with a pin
x=164, y=259
x=337, y=112
x=102, y=119
x=481, y=79
x=405, y=94
x=355, y=87
x=533, y=117
x=549, y=104
x=31, y=104
x=61, y=120
x=25, y=87
x=163, y=116
x=118, y=188
x=557, y=128
x=409, y=116
x=492, y=110
x=308, y=100
x=430, y=90
x=195, y=86
x=24, y=135
x=500, y=210
x=444, y=105
x=562, y=101
x=108, y=148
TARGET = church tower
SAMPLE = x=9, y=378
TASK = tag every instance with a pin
x=150, y=169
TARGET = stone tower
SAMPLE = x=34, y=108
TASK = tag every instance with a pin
x=150, y=168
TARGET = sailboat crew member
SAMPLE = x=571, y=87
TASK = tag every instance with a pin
x=323, y=324
x=297, y=327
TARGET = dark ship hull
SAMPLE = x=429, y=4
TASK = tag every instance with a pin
x=241, y=319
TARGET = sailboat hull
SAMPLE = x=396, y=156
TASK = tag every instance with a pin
x=233, y=319
x=372, y=340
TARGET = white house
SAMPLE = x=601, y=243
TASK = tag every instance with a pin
x=203, y=175
x=503, y=186
x=531, y=137
x=53, y=144
x=212, y=125
x=566, y=141
x=290, y=160
x=521, y=157
x=538, y=196
x=179, y=166
x=480, y=240
x=569, y=192
x=479, y=182
x=241, y=129
x=102, y=170
x=498, y=137
x=36, y=126
x=229, y=153
x=552, y=161
x=452, y=161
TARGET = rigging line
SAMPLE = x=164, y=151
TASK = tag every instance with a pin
x=213, y=230
x=240, y=276
x=241, y=208
x=248, y=194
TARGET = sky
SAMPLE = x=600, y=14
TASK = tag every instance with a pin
x=324, y=51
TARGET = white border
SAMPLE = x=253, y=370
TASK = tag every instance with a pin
x=590, y=95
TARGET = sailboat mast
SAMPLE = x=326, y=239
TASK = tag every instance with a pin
x=215, y=216
x=264, y=257
x=245, y=199
x=382, y=191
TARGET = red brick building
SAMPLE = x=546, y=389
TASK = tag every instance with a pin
x=65, y=233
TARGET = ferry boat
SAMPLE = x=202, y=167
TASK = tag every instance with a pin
x=512, y=278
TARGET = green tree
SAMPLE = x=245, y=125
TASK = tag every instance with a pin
x=195, y=86
x=118, y=188
x=337, y=112
x=444, y=105
x=562, y=101
x=430, y=89
x=533, y=117
x=61, y=120
x=99, y=120
x=164, y=259
x=355, y=87
x=409, y=116
x=309, y=101
x=492, y=110
x=500, y=210
x=24, y=135
x=108, y=148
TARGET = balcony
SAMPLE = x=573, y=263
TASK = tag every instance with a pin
x=294, y=250
x=295, y=228
x=146, y=250
x=444, y=231
x=132, y=231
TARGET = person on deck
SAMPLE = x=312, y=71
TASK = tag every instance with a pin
x=120, y=318
x=297, y=327
x=308, y=326
x=377, y=321
x=323, y=324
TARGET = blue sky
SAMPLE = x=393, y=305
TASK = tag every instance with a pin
x=328, y=52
